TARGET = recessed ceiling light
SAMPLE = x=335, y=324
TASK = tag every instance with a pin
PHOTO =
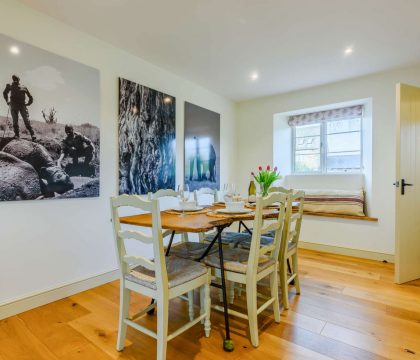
x=348, y=50
x=254, y=76
x=14, y=50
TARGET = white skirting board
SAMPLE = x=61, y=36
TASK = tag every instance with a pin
x=364, y=254
x=40, y=298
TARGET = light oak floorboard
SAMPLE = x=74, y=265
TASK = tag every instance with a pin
x=349, y=309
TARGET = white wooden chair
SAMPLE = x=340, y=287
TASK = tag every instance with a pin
x=163, y=278
x=229, y=238
x=249, y=267
x=206, y=191
x=289, y=246
x=288, y=256
x=167, y=193
x=197, y=194
x=193, y=250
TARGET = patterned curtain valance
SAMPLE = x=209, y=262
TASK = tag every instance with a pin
x=350, y=112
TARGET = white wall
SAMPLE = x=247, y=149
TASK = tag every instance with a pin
x=255, y=142
x=44, y=244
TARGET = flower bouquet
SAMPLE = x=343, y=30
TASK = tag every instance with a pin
x=265, y=178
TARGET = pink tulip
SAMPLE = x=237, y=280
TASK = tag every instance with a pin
x=268, y=167
x=260, y=168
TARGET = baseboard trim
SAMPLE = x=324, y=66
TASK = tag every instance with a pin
x=40, y=298
x=364, y=254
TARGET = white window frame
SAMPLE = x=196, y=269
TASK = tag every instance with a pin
x=323, y=153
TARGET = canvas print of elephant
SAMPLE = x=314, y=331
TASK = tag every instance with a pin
x=146, y=139
x=202, y=147
x=49, y=125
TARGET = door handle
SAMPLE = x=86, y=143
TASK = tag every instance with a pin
x=403, y=185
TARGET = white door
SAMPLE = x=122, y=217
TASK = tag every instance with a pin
x=407, y=249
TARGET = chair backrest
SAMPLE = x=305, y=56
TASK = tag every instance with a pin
x=162, y=193
x=273, y=249
x=206, y=191
x=292, y=221
x=298, y=201
x=126, y=262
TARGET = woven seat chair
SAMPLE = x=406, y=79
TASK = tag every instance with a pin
x=249, y=267
x=162, y=279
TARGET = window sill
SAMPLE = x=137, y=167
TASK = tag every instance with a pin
x=340, y=216
x=327, y=174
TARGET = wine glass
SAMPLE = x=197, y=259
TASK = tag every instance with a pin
x=184, y=195
x=229, y=192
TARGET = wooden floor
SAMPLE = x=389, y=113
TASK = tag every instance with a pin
x=349, y=309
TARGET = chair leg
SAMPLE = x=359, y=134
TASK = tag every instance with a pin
x=231, y=287
x=125, y=295
x=239, y=290
x=275, y=294
x=251, y=302
x=191, y=305
x=296, y=271
x=202, y=303
x=220, y=295
x=283, y=284
x=184, y=237
x=207, y=308
x=162, y=327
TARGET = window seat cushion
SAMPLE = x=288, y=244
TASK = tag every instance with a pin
x=341, y=202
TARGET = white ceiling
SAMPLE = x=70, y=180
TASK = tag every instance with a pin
x=218, y=43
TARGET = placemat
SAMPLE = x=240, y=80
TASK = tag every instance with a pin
x=220, y=215
x=186, y=212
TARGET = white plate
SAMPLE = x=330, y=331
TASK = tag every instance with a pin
x=178, y=209
x=226, y=211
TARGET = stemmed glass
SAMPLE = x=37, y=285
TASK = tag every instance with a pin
x=183, y=196
x=228, y=192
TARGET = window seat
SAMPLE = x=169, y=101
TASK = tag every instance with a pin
x=341, y=216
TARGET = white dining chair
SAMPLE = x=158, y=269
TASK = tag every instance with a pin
x=206, y=191
x=198, y=195
x=192, y=249
x=170, y=193
x=162, y=278
x=248, y=267
x=289, y=248
x=288, y=256
x=185, y=248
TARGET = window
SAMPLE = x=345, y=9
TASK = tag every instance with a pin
x=328, y=141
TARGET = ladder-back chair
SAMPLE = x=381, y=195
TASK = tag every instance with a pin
x=162, y=278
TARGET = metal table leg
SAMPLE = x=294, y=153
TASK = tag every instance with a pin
x=246, y=227
x=228, y=344
x=170, y=243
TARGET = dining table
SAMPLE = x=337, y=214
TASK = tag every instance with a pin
x=201, y=222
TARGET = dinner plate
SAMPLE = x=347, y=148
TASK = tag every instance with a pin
x=178, y=209
x=226, y=211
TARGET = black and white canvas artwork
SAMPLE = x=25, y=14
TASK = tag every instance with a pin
x=146, y=139
x=49, y=125
x=202, y=147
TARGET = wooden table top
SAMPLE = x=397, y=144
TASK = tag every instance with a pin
x=194, y=223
